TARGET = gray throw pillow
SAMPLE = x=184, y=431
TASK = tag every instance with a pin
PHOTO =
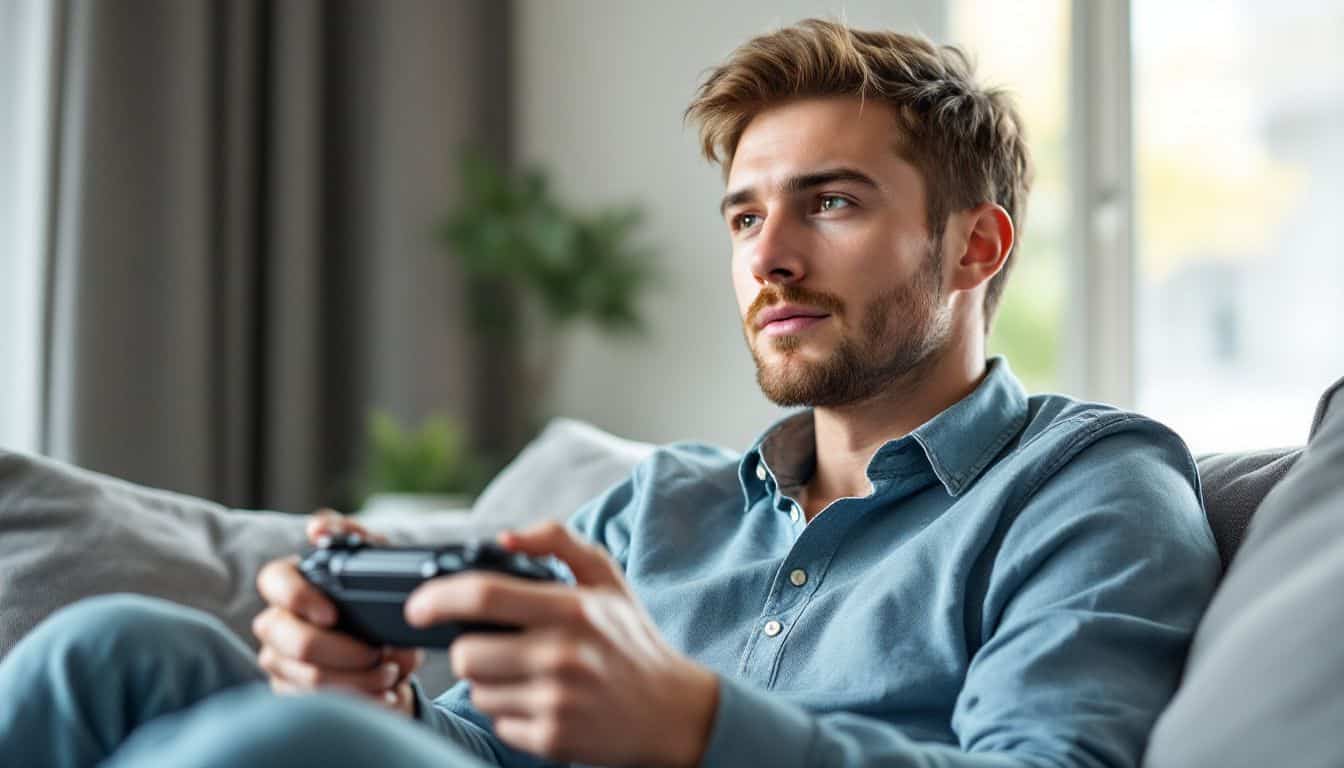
x=67, y=533
x=1262, y=685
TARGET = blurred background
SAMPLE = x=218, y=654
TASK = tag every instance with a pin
x=285, y=254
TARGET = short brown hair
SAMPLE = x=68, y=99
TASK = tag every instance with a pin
x=966, y=141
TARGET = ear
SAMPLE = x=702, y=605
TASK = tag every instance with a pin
x=988, y=237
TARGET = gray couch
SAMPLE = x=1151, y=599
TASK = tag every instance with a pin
x=66, y=533
x=1264, y=684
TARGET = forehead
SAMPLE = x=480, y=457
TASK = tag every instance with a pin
x=806, y=135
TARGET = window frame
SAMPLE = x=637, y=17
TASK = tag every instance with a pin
x=1100, y=343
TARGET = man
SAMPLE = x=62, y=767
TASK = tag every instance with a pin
x=923, y=568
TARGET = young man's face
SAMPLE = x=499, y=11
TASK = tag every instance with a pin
x=837, y=276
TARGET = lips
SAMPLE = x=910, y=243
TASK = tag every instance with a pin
x=789, y=315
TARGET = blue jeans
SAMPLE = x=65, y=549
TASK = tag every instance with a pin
x=125, y=680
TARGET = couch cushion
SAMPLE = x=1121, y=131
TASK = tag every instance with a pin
x=1234, y=484
x=568, y=464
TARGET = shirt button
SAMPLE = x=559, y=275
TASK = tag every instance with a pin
x=773, y=628
x=794, y=514
x=798, y=577
x=760, y=471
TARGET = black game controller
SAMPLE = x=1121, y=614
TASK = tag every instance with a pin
x=369, y=584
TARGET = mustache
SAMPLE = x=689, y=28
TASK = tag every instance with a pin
x=773, y=294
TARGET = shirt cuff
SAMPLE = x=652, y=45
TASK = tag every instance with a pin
x=436, y=719
x=753, y=728
x=424, y=706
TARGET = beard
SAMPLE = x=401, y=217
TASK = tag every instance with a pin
x=869, y=358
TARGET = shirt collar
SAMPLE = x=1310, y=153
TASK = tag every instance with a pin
x=958, y=443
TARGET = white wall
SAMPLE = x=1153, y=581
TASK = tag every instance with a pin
x=600, y=87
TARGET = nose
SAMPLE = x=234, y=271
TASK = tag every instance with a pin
x=777, y=255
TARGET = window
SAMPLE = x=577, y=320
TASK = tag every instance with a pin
x=1178, y=256
x=1240, y=173
x=25, y=55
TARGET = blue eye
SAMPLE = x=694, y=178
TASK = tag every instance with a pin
x=833, y=202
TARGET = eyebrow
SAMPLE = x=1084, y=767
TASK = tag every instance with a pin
x=801, y=183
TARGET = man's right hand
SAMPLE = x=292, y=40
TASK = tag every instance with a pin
x=299, y=650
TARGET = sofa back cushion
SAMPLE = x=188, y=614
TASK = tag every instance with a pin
x=1234, y=484
x=1262, y=684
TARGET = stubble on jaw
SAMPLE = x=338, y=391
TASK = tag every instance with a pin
x=861, y=367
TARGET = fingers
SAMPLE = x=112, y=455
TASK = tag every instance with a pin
x=540, y=736
x=494, y=660
x=493, y=598
x=398, y=698
x=292, y=637
x=408, y=659
x=304, y=676
x=590, y=563
x=491, y=658
x=327, y=522
x=520, y=700
x=281, y=585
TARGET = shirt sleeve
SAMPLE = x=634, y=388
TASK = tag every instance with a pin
x=1094, y=591
x=443, y=721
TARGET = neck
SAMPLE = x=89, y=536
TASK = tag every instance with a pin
x=847, y=436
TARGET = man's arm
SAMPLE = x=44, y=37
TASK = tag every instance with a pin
x=1094, y=594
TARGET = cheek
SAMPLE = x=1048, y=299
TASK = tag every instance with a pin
x=744, y=284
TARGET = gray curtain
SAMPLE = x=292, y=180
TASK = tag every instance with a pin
x=242, y=259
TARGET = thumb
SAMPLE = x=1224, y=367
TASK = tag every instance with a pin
x=328, y=522
x=591, y=564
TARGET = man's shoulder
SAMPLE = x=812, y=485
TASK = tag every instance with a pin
x=1100, y=488
x=1087, y=445
x=688, y=463
x=684, y=475
x=1054, y=416
x=1063, y=427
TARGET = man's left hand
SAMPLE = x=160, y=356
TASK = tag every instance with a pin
x=588, y=679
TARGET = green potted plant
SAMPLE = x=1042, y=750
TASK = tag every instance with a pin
x=533, y=268
x=424, y=468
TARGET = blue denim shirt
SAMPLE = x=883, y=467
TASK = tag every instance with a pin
x=1019, y=589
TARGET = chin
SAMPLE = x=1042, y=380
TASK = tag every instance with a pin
x=789, y=348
